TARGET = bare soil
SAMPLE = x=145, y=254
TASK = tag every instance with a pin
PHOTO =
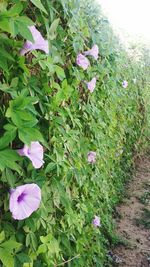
x=137, y=251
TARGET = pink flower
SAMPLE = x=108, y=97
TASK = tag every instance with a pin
x=92, y=157
x=92, y=52
x=24, y=200
x=124, y=84
x=91, y=85
x=34, y=152
x=39, y=42
x=82, y=61
x=96, y=221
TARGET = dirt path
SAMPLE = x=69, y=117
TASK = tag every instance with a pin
x=137, y=251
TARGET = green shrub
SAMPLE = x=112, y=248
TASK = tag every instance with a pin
x=44, y=98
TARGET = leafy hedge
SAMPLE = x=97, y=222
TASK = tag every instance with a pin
x=44, y=98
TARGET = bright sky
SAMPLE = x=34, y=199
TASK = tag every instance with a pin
x=133, y=16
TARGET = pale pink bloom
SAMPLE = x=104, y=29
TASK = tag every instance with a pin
x=91, y=157
x=34, y=152
x=96, y=221
x=82, y=61
x=92, y=52
x=39, y=42
x=24, y=200
x=91, y=85
x=124, y=84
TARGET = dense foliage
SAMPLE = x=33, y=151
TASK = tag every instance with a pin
x=44, y=98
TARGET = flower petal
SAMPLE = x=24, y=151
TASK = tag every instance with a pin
x=82, y=61
x=24, y=200
x=34, y=152
x=36, y=162
x=91, y=85
x=93, y=52
x=91, y=157
x=39, y=42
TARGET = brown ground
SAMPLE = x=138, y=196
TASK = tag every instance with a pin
x=137, y=252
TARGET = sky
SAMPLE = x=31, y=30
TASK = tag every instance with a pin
x=131, y=16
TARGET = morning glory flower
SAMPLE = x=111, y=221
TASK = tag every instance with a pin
x=24, y=200
x=96, y=221
x=124, y=84
x=34, y=152
x=92, y=52
x=92, y=157
x=39, y=42
x=82, y=61
x=91, y=85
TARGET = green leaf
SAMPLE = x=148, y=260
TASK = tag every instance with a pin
x=14, y=82
x=11, y=178
x=62, y=95
x=22, y=112
x=6, y=250
x=6, y=257
x=26, y=115
x=56, y=85
x=24, y=31
x=38, y=4
x=52, y=244
x=22, y=24
x=16, y=119
x=7, y=138
x=60, y=72
x=22, y=257
x=46, y=239
x=13, y=28
x=4, y=87
x=3, y=64
x=21, y=102
x=11, y=245
x=9, y=127
x=27, y=135
x=15, y=10
x=28, y=240
x=8, y=113
x=4, y=53
x=42, y=249
x=8, y=160
x=53, y=28
x=51, y=166
x=54, y=25
x=5, y=25
x=33, y=240
x=2, y=236
x=53, y=247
